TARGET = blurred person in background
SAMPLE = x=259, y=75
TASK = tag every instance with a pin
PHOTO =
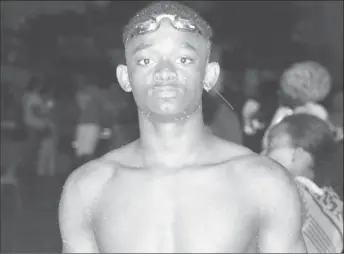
x=301, y=143
x=47, y=152
x=112, y=119
x=260, y=86
x=87, y=132
x=86, y=90
x=301, y=88
x=35, y=120
x=117, y=115
x=65, y=114
x=252, y=92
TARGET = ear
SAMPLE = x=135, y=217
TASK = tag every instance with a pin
x=212, y=73
x=123, y=77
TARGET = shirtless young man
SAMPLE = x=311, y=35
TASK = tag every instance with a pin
x=178, y=188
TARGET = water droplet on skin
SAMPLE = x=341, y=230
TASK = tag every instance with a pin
x=89, y=214
x=165, y=107
x=185, y=114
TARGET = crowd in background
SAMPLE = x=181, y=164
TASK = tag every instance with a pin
x=61, y=119
x=292, y=117
x=64, y=128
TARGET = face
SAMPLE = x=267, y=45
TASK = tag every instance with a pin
x=167, y=70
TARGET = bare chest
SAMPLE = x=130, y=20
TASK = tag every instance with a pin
x=173, y=214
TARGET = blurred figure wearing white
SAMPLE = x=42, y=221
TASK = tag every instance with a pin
x=37, y=124
x=302, y=86
x=87, y=133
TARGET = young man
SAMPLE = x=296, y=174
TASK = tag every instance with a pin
x=303, y=144
x=178, y=188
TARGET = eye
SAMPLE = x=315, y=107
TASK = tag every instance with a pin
x=184, y=60
x=144, y=62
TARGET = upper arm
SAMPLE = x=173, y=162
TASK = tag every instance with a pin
x=75, y=219
x=281, y=214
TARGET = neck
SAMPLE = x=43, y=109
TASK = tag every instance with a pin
x=171, y=144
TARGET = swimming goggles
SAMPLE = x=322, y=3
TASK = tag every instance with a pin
x=153, y=23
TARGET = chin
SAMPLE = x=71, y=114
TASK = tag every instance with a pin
x=175, y=115
x=164, y=118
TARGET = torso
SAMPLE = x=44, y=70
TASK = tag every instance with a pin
x=204, y=208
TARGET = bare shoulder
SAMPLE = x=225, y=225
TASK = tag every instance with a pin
x=78, y=200
x=268, y=180
x=263, y=170
x=125, y=156
x=226, y=151
x=87, y=181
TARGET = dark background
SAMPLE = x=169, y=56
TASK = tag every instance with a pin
x=56, y=38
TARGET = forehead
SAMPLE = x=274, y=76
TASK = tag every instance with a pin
x=168, y=36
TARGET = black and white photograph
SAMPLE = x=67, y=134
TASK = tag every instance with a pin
x=171, y=126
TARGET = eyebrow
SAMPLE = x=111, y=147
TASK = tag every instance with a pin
x=188, y=46
x=143, y=46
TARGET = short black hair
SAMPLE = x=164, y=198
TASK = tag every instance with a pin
x=310, y=133
x=34, y=83
x=167, y=7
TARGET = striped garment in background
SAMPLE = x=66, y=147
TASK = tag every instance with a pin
x=323, y=228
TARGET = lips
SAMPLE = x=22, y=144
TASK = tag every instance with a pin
x=165, y=91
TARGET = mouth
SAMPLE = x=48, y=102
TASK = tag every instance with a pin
x=165, y=92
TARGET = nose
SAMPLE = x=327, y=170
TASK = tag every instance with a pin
x=165, y=72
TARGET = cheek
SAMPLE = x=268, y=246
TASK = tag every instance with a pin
x=138, y=75
x=140, y=80
x=193, y=76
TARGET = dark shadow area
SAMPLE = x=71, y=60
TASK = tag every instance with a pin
x=33, y=227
